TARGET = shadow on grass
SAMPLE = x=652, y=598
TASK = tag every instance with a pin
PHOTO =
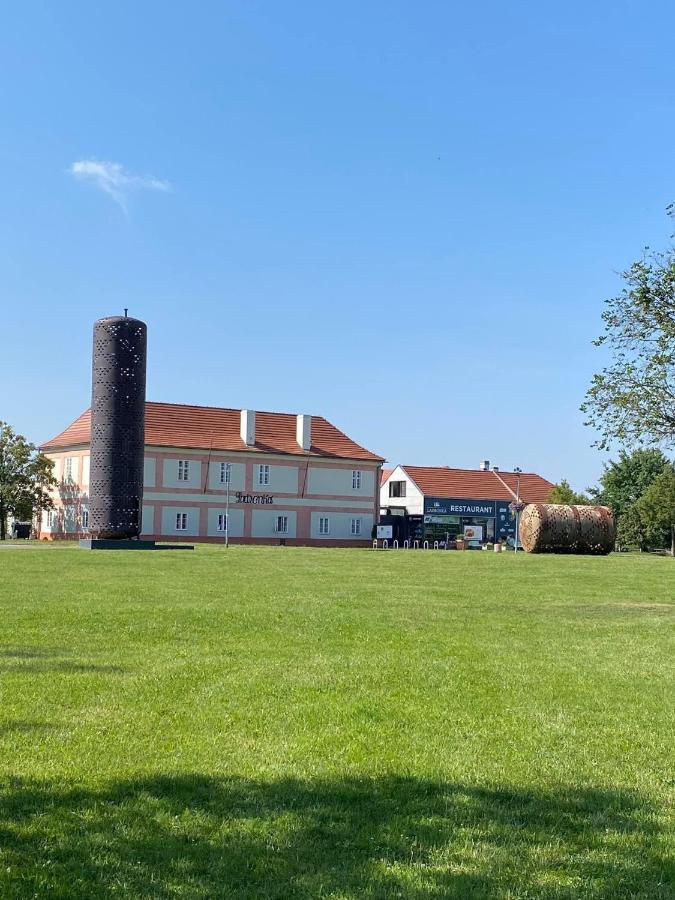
x=41, y=659
x=61, y=665
x=24, y=726
x=196, y=836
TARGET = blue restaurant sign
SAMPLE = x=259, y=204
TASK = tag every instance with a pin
x=448, y=506
x=505, y=526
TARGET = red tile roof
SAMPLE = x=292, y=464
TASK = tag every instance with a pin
x=212, y=427
x=472, y=484
x=384, y=475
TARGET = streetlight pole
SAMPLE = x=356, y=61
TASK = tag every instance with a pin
x=228, y=469
x=518, y=471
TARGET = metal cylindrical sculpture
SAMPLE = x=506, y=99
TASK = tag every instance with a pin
x=117, y=427
x=554, y=528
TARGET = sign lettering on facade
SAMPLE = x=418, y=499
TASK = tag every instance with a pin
x=444, y=506
x=263, y=499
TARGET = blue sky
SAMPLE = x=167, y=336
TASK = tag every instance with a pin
x=401, y=216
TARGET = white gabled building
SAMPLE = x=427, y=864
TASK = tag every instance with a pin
x=438, y=502
x=399, y=493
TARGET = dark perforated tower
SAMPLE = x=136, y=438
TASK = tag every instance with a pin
x=117, y=427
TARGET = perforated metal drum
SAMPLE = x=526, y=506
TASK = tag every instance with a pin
x=554, y=528
x=117, y=427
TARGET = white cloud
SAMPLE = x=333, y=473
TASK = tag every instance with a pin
x=115, y=180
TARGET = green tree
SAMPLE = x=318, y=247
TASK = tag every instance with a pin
x=26, y=476
x=563, y=493
x=623, y=482
x=657, y=506
x=632, y=400
x=630, y=529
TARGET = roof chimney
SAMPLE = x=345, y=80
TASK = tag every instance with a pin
x=303, y=431
x=248, y=427
x=485, y=465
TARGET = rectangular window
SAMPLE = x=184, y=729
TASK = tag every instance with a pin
x=85, y=519
x=222, y=521
x=50, y=518
x=181, y=521
x=397, y=488
x=225, y=473
x=324, y=525
x=183, y=469
x=356, y=479
x=68, y=468
x=356, y=526
x=281, y=526
x=263, y=474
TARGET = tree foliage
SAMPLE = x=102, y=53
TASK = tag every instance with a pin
x=623, y=482
x=630, y=529
x=563, y=493
x=26, y=476
x=632, y=400
x=656, y=507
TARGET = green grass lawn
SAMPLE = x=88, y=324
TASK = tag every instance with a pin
x=281, y=723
